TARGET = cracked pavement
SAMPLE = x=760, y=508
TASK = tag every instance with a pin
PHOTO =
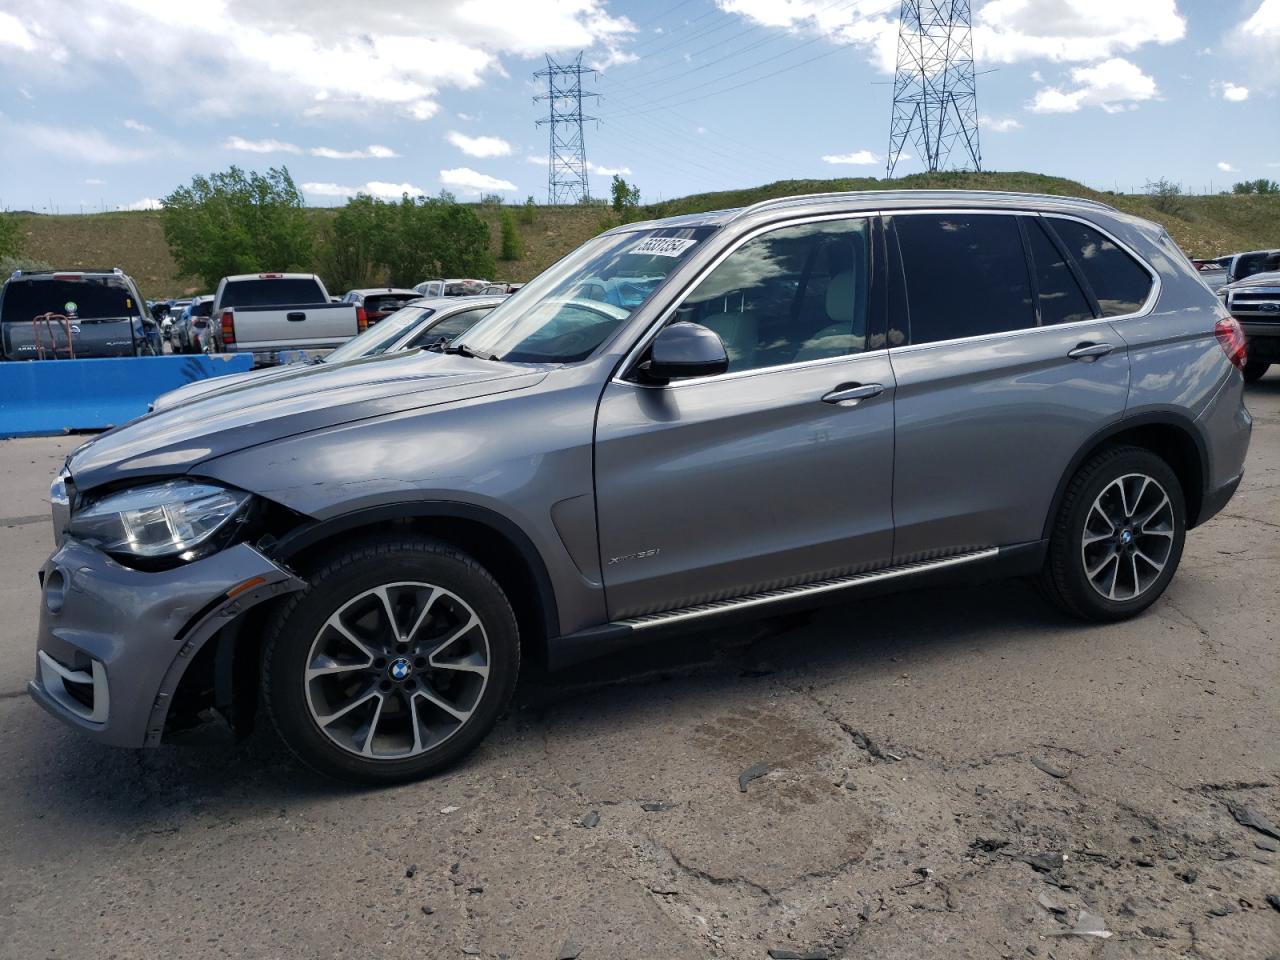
x=838, y=850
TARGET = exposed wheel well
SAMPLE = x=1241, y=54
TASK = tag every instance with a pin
x=230, y=659
x=1172, y=443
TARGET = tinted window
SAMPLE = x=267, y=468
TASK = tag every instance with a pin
x=450, y=327
x=93, y=298
x=1061, y=299
x=387, y=302
x=966, y=275
x=794, y=294
x=1251, y=263
x=265, y=293
x=1119, y=283
x=202, y=309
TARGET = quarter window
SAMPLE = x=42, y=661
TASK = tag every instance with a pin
x=966, y=275
x=1061, y=299
x=1120, y=284
x=794, y=294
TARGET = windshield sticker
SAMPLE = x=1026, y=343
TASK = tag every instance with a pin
x=662, y=247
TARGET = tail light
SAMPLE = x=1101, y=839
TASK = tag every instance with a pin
x=228, y=329
x=1231, y=340
x=362, y=320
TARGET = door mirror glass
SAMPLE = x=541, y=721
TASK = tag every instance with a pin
x=684, y=350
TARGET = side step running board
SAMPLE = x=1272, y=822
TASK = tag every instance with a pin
x=800, y=590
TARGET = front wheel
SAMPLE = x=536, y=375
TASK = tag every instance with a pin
x=394, y=662
x=1118, y=535
x=1254, y=370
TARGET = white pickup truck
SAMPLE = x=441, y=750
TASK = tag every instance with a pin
x=270, y=314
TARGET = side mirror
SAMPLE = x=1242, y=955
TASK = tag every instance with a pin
x=684, y=350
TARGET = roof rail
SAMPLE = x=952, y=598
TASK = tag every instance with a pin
x=805, y=198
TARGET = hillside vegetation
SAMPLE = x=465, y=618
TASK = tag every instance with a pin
x=134, y=241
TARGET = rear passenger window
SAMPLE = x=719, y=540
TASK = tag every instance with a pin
x=1061, y=299
x=1119, y=283
x=966, y=275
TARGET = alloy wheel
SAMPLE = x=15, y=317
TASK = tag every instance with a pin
x=397, y=670
x=1128, y=537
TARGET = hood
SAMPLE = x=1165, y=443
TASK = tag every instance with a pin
x=1269, y=279
x=202, y=388
x=176, y=439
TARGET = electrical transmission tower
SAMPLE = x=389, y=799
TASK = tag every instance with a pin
x=935, y=94
x=567, y=157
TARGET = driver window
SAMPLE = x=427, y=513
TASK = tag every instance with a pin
x=793, y=294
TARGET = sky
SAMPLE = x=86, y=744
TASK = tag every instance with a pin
x=114, y=103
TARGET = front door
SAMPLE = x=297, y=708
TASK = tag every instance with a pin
x=781, y=470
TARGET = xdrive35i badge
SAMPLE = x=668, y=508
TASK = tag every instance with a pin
x=638, y=555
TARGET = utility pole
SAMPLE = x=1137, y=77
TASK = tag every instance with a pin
x=567, y=151
x=935, y=94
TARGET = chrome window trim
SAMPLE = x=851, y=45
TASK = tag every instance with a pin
x=1153, y=295
x=642, y=344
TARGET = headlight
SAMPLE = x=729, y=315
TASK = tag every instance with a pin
x=177, y=518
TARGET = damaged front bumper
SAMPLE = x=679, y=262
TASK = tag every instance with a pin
x=114, y=642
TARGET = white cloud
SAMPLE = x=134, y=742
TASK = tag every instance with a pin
x=14, y=33
x=146, y=203
x=479, y=146
x=612, y=57
x=466, y=180
x=83, y=144
x=1226, y=167
x=861, y=158
x=540, y=159
x=373, y=152
x=1004, y=31
x=376, y=188
x=136, y=125
x=600, y=171
x=259, y=146
x=1254, y=45
x=336, y=58
x=95, y=182
x=1234, y=93
x=1114, y=85
x=1265, y=21
x=998, y=124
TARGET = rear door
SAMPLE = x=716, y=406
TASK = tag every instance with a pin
x=761, y=477
x=1004, y=371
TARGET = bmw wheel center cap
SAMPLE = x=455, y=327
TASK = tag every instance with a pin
x=399, y=669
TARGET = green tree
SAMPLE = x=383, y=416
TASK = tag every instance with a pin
x=512, y=248
x=236, y=222
x=10, y=236
x=354, y=248
x=435, y=238
x=625, y=196
x=1166, y=196
x=528, y=211
x=1261, y=185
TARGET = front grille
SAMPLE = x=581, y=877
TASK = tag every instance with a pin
x=1261, y=293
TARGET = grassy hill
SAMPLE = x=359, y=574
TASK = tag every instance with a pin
x=134, y=241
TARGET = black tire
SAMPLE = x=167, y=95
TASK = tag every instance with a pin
x=1065, y=579
x=344, y=574
x=1255, y=370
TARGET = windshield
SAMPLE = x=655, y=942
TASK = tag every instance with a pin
x=379, y=339
x=568, y=311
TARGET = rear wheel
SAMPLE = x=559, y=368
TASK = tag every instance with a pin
x=395, y=662
x=1254, y=370
x=1118, y=536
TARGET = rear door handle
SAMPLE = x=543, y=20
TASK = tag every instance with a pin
x=850, y=394
x=1090, y=351
x=299, y=315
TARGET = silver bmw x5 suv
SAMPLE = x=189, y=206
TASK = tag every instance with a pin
x=710, y=416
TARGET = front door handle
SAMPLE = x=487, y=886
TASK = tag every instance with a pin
x=851, y=394
x=296, y=316
x=1090, y=351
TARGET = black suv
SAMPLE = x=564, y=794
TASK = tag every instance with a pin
x=74, y=314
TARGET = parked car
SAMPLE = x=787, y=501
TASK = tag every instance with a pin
x=74, y=313
x=822, y=397
x=451, y=288
x=1255, y=302
x=269, y=313
x=380, y=302
x=193, y=330
x=1212, y=272
x=166, y=329
x=422, y=323
x=1239, y=266
x=497, y=289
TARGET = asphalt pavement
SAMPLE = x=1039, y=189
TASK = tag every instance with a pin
x=951, y=773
